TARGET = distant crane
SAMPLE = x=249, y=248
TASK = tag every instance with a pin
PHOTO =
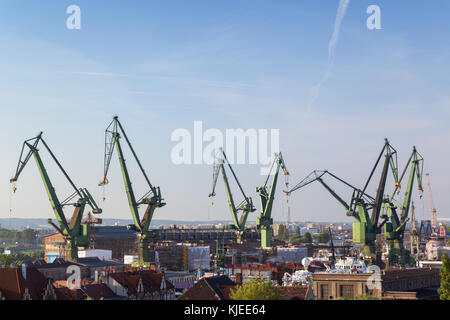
x=265, y=222
x=434, y=224
x=333, y=254
x=152, y=198
x=74, y=232
x=366, y=228
x=246, y=206
x=394, y=229
x=415, y=241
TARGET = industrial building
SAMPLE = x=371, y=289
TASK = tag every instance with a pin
x=417, y=283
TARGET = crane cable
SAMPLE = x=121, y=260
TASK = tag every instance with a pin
x=286, y=183
x=104, y=193
x=11, y=191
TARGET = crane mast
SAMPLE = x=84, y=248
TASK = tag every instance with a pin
x=361, y=206
x=265, y=222
x=151, y=198
x=415, y=243
x=74, y=232
x=432, y=208
x=246, y=206
x=395, y=228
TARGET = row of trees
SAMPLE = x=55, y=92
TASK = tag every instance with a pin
x=27, y=236
x=297, y=238
x=16, y=259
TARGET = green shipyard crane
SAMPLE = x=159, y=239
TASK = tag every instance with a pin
x=264, y=222
x=246, y=206
x=358, y=208
x=152, y=198
x=74, y=232
x=394, y=230
x=367, y=226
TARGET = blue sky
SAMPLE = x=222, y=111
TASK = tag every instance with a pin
x=161, y=65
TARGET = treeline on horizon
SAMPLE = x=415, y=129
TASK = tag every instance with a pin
x=27, y=236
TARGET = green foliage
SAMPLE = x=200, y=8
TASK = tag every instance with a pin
x=323, y=237
x=296, y=239
x=6, y=260
x=28, y=236
x=307, y=237
x=18, y=258
x=283, y=233
x=444, y=290
x=258, y=289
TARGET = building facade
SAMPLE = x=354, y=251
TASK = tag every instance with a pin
x=385, y=285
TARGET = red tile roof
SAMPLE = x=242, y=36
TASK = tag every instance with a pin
x=211, y=288
x=64, y=293
x=93, y=291
x=151, y=280
x=98, y=291
x=226, y=290
x=13, y=284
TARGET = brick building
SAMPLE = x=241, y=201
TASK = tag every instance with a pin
x=54, y=247
x=116, y=238
x=407, y=283
x=296, y=293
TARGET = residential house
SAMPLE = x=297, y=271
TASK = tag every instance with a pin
x=211, y=288
x=97, y=291
x=25, y=283
x=141, y=285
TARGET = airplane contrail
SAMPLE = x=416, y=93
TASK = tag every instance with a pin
x=342, y=9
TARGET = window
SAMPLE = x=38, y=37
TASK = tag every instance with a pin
x=347, y=291
x=369, y=292
x=324, y=291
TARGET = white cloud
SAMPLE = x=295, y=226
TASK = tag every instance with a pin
x=342, y=9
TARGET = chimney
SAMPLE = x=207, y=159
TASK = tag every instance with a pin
x=24, y=271
x=238, y=279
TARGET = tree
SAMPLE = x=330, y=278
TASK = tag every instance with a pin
x=444, y=290
x=296, y=239
x=307, y=238
x=6, y=260
x=323, y=237
x=282, y=233
x=257, y=289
